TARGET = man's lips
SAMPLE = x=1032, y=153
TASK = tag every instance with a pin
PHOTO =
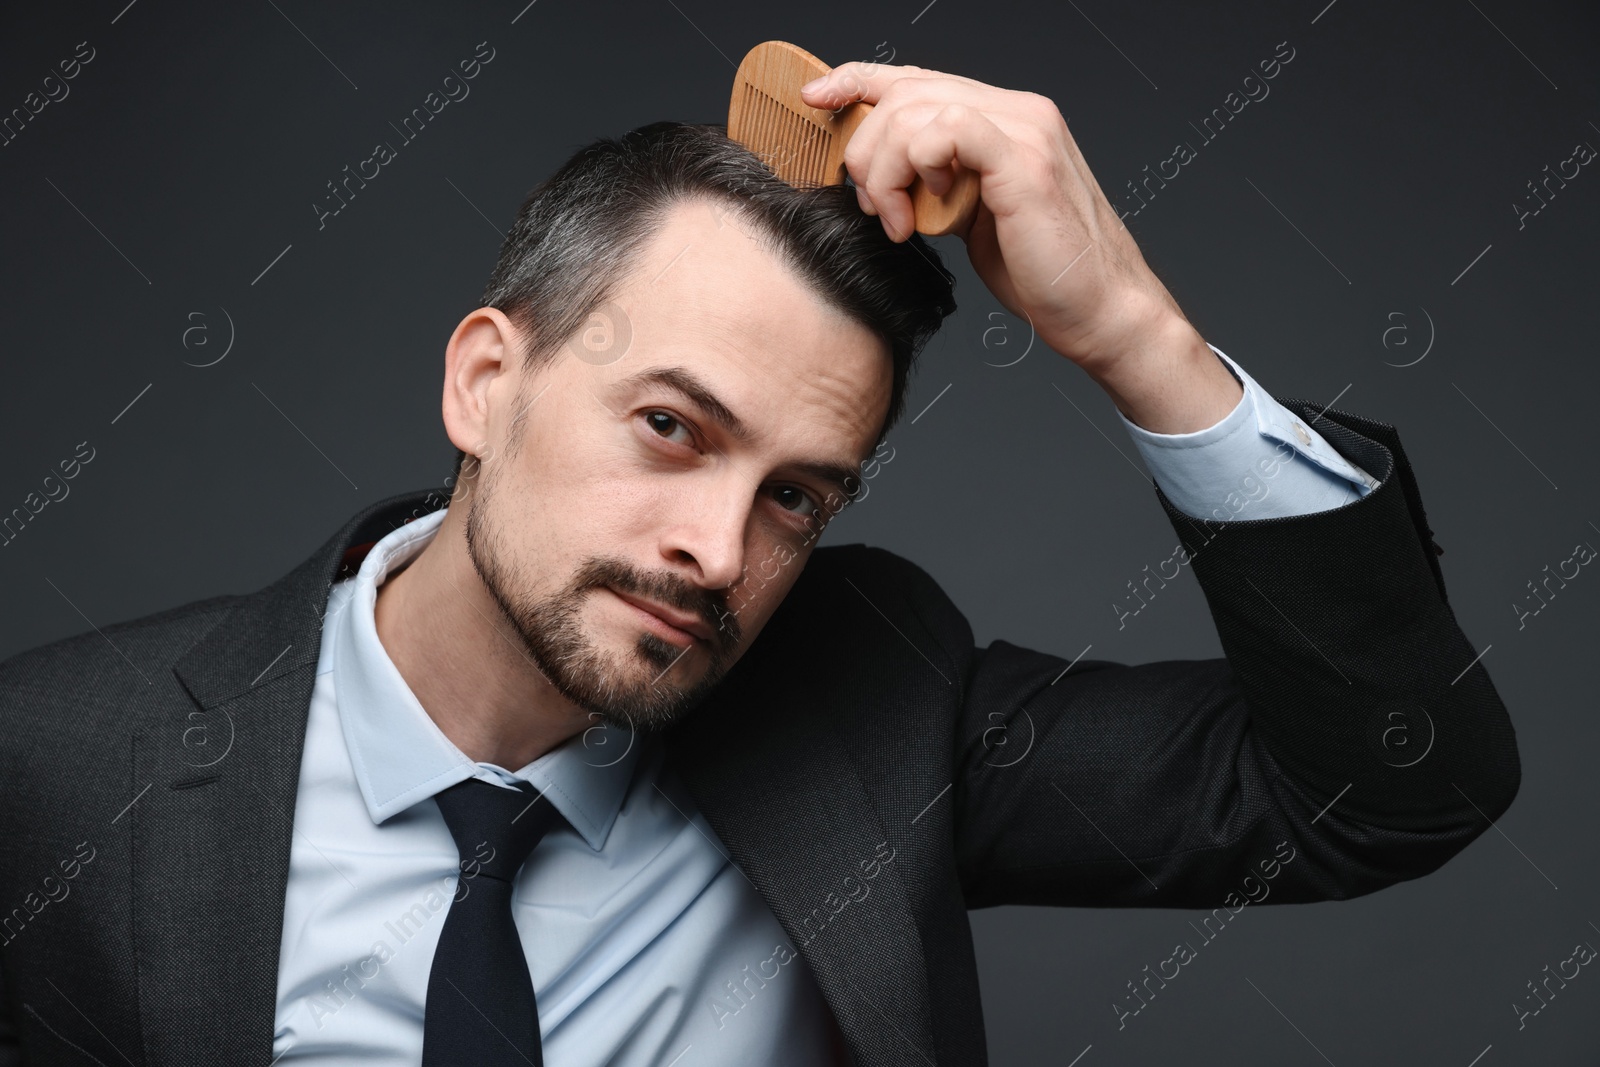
x=687, y=623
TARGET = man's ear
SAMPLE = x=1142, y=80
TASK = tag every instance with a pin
x=481, y=361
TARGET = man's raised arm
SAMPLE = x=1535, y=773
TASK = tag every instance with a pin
x=1349, y=739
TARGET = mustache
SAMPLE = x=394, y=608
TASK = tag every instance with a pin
x=709, y=606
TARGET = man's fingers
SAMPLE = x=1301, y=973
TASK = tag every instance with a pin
x=920, y=99
x=849, y=82
x=891, y=168
x=929, y=123
x=926, y=147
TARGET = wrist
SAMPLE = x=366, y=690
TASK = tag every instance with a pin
x=1168, y=380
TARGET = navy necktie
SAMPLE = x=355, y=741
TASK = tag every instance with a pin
x=480, y=1007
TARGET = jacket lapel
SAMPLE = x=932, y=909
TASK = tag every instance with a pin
x=772, y=777
x=215, y=783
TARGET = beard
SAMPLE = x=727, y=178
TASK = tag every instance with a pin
x=630, y=690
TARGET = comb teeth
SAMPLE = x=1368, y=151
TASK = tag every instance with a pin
x=805, y=147
x=793, y=147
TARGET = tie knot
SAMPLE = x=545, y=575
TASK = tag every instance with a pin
x=495, y=828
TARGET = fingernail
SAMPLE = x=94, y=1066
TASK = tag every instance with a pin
x=813, y=85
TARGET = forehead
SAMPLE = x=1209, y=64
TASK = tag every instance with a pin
x=710, y=292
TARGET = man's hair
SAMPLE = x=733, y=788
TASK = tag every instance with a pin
x=580, y=232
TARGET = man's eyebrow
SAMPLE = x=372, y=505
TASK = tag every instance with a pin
x=685, y=383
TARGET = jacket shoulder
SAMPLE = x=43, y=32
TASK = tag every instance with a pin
x=896, y=584
x=139, y=645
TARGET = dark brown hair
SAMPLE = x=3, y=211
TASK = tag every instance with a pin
x=578, y=234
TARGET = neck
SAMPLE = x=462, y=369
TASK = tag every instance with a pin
x=465, y=663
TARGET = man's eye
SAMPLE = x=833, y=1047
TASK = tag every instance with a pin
x=789, y=494
x=791, y=498
x=663, y=423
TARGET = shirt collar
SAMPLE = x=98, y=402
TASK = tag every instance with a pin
x=401, y=757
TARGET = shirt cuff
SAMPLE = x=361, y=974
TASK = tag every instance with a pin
x=1259, y=461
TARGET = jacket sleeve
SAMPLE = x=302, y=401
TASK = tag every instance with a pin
x=1350, y=739
x=10, y=1048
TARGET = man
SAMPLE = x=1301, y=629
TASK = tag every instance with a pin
x=606, y=762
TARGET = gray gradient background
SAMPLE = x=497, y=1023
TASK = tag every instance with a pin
x=1396, y=142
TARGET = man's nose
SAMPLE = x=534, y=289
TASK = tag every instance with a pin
x=713, y=523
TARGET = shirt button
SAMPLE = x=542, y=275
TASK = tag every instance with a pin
x=1300, y=432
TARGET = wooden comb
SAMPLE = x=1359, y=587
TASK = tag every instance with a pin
x=805, y=146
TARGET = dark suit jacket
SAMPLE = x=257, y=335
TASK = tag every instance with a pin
x=852, y=763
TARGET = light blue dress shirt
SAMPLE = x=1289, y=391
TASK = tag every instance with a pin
x=646, y=945
x=1259, y=461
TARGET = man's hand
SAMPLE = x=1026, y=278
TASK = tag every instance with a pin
x=1044, y=239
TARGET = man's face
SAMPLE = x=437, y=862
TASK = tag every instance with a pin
x=604, y=483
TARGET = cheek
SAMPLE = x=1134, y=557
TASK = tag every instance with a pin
x=579, y=483
x=619, y=506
